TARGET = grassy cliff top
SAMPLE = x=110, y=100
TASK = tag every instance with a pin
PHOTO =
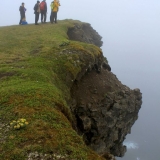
x=38, y=65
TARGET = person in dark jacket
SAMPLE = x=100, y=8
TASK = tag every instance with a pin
x=43, y=8
x=22, y=10
x=36, y=12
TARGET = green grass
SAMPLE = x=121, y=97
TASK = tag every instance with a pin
x=36, y=74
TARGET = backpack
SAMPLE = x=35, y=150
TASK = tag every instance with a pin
x=42, y=5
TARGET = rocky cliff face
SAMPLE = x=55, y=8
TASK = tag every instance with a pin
x=104, y=108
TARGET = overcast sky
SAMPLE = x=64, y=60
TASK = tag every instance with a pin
x=131, y=36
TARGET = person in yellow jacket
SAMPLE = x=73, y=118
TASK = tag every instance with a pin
x=54, y=9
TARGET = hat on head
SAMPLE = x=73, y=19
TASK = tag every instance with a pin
x=38, y=1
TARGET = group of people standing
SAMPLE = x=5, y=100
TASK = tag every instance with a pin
x=41, y=8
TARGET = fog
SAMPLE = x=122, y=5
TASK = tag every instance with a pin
x=131, y=36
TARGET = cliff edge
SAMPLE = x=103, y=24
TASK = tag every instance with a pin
x=58, y=96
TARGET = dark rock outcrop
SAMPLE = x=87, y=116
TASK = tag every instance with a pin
x=105, y=110
x=84, y=33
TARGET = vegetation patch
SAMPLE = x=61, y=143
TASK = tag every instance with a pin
x=37, y=69
x=19, y=124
